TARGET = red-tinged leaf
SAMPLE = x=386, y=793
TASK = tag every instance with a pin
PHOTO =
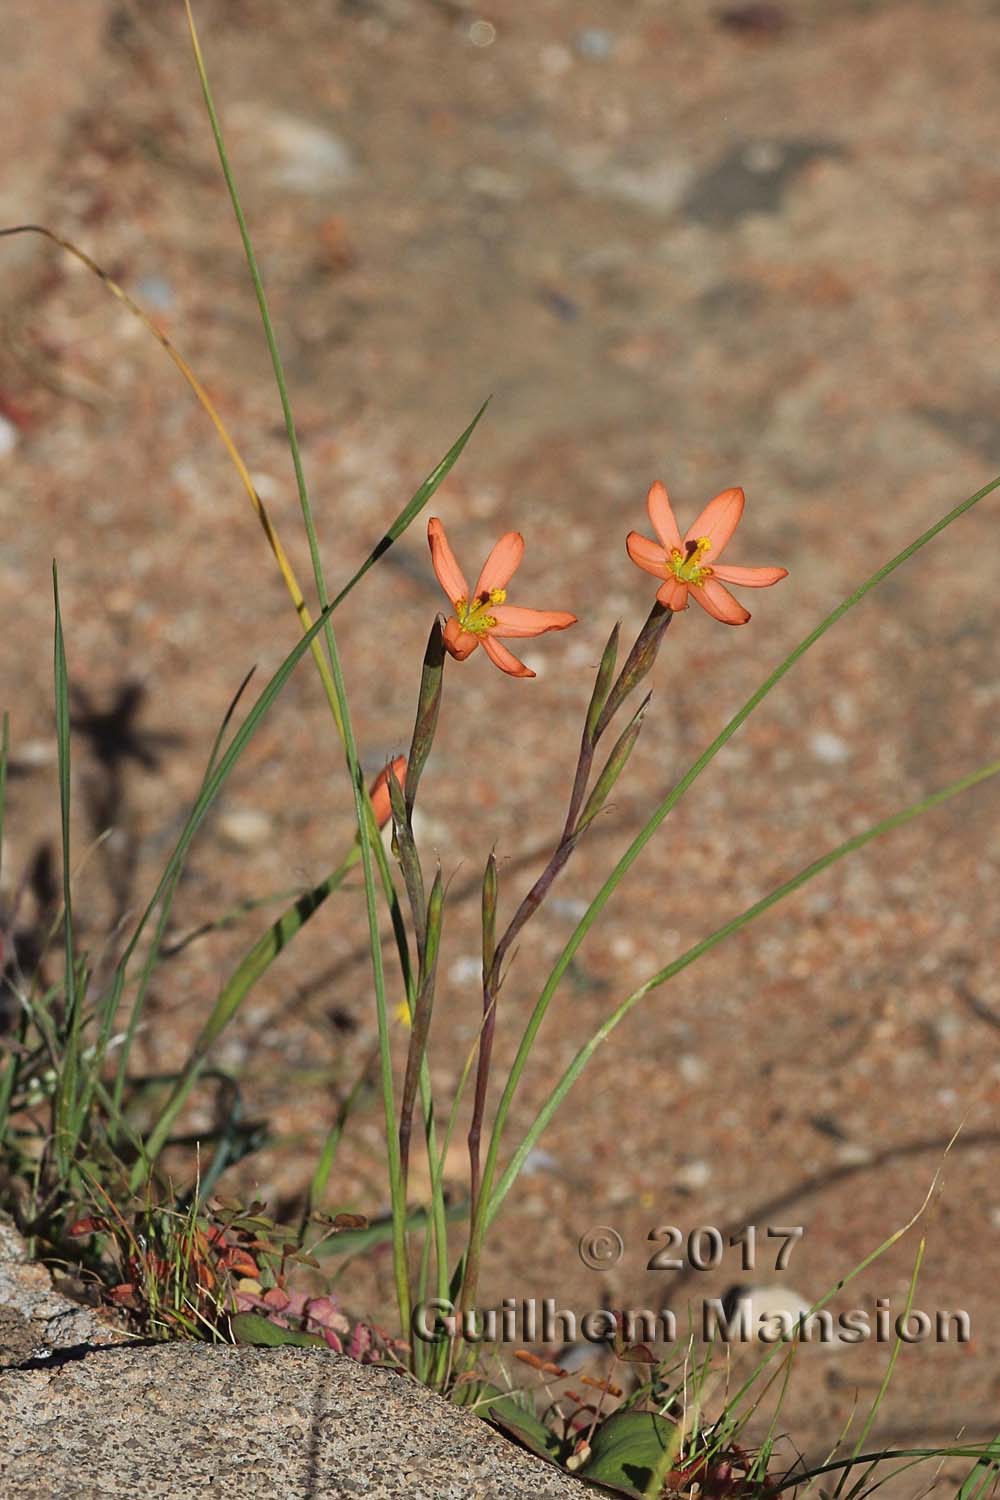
x=350, y=1221
x=92, y=1224
x=639, y=1354
x=239, y=1262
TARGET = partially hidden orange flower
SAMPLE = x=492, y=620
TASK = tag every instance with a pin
x=484, y=614
x=379, y=789
x=682, y=565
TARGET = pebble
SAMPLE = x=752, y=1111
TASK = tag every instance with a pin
x=695, y=1174
x=691, y=1067
x=34, y=755
x=595, y=44
x=538, y=1161
x=157, y=293
x=464, y=970
x=245, y=828
x=766, y=1307
x=829, y=748
x=308, y=157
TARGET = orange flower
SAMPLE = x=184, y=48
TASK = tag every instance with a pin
x=484, y=614
x=379, y=789
x=681, y=563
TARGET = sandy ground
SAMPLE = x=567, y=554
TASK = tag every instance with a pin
x=743, y=245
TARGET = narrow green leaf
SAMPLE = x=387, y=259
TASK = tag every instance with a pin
x=428, y=708
x=614, y=766
x=254, y=1328
x=338, y=704
x=405, y=850
x=602, y=683
x=67, y=1123
x=984, y=1472
x=638, y=663
x=489, y=913
x=420, y=1024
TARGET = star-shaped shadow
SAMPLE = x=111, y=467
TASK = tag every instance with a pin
x=117, y=741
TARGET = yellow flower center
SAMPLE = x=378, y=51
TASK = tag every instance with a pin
x=686, y=566
x=474, y=615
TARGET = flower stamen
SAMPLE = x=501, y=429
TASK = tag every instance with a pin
x=687, y=566
x=474, y=616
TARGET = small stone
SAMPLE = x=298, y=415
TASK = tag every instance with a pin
x=8, y=437
x=245, y=828
x=156, y=292
x=306, y=156
x=538, y=1161
x=595, y=44
x=829, y=748
x=464, y=970
x=693, y=1175
x=764, y=1312
x=853, y=1154
x=35, y=755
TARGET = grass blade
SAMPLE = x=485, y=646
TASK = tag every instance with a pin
x=66, y=1119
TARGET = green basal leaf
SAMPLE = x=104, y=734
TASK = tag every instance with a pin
x=254, y=1328
x=626, y=1450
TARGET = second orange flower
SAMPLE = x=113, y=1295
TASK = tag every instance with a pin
x=483, y=614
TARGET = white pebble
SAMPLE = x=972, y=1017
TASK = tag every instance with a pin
x=829, y=748
x=245, y=828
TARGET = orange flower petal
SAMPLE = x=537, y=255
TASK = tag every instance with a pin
x=458, y=643
x=751, y=578
x=514, y=621
x=502, y=563
x=379, y=790
x=718, y=521
x=662, y=517
x=647, y=555
x=720, y=604
x=673, y=595
x=449, y=574
x=504, y=659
